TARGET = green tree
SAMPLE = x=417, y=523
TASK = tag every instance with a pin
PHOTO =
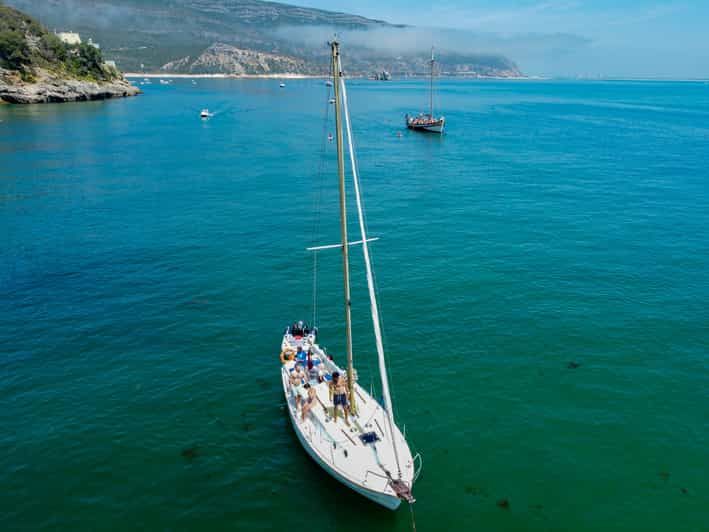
x=14, y=52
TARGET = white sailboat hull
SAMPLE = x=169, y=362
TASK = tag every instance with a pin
x=388, y=501
x=339, y=450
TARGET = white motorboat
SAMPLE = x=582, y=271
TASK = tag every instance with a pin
x=205, y=113
x=370, y=455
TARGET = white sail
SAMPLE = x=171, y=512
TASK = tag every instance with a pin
x=370, y=280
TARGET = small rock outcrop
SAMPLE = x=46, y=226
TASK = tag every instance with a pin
x=47, y=87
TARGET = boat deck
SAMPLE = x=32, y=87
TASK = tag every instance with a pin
x=354, y=454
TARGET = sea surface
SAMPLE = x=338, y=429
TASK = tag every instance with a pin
x=543, y=274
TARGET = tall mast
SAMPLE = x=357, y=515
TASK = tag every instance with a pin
x=336, y=72
x=433, y=60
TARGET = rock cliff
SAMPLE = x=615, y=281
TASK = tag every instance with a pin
x=226, y=59
x=47, y=87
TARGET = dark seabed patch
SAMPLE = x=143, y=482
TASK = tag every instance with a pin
x=504, y=504
x=573, y=365
x=475, y=490
x=190, y=453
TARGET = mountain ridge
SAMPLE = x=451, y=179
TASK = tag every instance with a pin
x=157, y=35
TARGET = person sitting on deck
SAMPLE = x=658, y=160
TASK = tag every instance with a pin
x=309, y=402
x=314, y=374
x=297, y=377
x=338, y=394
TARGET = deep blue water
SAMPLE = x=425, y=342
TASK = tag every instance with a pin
x=150, y=261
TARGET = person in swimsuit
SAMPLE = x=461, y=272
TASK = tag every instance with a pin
x=309, y=403
x=338, y=394
x=297, y=378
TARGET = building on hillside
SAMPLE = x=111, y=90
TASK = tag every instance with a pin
x=94, y=44
x=111, y=64
x=69, y=37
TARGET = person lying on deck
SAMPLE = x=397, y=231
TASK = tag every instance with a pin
x=338, y=394
x=309, y=402
x=297, y=377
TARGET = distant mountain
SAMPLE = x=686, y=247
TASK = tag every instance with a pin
x=213, y=36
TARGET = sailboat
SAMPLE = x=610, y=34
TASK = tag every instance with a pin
x=427, y=121
x=369, y=454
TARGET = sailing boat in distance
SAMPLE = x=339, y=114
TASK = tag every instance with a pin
x=427, y=121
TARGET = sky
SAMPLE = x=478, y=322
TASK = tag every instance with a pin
x=607, y=38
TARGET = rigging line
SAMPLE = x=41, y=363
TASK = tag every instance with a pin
x=317, y=200
x=315, y=289
x=370, y=279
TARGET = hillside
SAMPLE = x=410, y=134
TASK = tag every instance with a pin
x=25, y=45
x=37, y=66
x=181, y=34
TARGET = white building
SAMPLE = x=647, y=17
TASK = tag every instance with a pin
x=69, y=37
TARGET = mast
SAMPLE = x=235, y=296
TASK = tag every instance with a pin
x=433, y=60
x=374, y=308
x=336, y=72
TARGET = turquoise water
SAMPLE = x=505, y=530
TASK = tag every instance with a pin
x=150, y=261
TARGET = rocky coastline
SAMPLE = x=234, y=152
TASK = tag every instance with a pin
x=47, y=87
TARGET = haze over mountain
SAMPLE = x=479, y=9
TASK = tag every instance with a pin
x=589, y=38
x=254, y=37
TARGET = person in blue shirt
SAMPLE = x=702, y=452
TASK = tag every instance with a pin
x=300, y=356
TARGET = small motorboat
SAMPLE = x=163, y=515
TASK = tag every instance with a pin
x=205, y=113
x=282, y=85
x=328, y=83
